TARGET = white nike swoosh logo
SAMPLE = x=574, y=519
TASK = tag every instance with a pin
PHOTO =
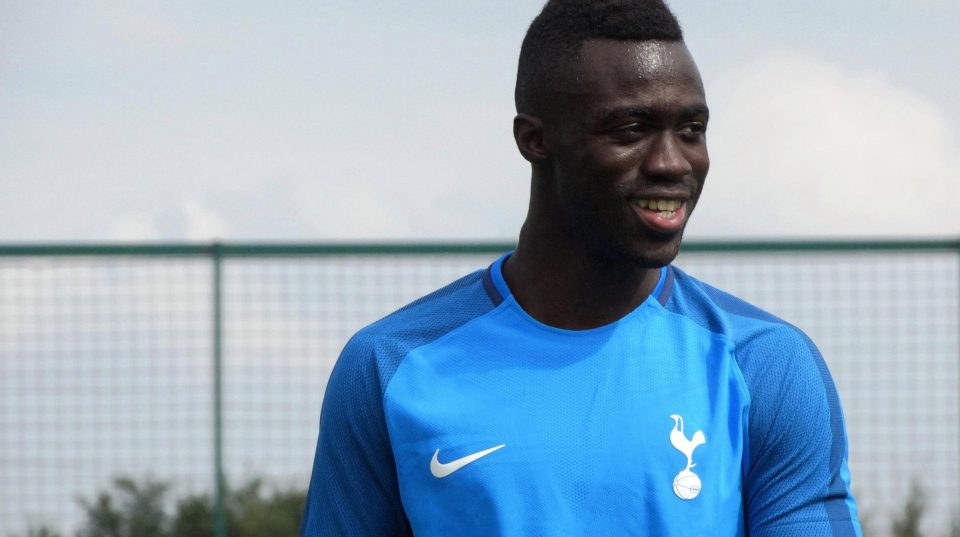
x=440, y=470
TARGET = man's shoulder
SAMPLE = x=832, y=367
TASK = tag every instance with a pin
x=777, y=360
x=422, y=321
x=437, y=311
x=752, y=330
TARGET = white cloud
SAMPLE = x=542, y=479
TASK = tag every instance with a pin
x=803, y=147
x=135, y=227
x=192, y=220
x=201, y=223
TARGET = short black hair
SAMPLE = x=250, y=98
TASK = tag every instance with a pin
x=555, y=36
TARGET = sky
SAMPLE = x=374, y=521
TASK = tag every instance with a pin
x=338, y=120
x=362, y=120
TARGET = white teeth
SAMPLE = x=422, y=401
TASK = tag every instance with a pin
x=660, y=205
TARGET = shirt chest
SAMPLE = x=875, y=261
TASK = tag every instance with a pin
x=617, y=432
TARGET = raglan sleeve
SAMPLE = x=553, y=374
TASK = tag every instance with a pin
x=353, y=488
x=796, y=479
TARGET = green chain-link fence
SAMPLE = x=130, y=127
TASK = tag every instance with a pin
x=184, y=362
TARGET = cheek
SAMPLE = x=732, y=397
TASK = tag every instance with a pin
x=614, y=160
x=610, y=175
x=620, y=168
x=698, y=156
x=700, y=161
x=596, y=177
x=608, y=166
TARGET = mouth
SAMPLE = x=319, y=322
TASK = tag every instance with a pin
x=662, y=214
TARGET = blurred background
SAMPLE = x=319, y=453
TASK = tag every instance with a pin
x=329, y=124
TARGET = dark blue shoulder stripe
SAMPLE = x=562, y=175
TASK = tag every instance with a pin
x=490, y=288
x=841, y=520
x=688, y=302
x=667, y=287
x=838, y=512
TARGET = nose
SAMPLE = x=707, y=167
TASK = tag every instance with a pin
x=666, y=158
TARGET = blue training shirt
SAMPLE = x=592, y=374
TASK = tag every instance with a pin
x=695, y=414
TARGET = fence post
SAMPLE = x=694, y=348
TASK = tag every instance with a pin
x=219, y=514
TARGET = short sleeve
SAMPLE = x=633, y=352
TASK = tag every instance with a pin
x=353, y=489
x=796, y=480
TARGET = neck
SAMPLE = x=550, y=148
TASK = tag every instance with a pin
x=562, y=284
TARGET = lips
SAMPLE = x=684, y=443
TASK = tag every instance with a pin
x=666, y=215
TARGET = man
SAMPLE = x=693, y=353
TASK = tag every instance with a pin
x=581, y=385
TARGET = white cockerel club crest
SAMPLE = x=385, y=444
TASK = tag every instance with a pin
x=686, y=485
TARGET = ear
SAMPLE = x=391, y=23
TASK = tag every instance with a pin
x=528, y=133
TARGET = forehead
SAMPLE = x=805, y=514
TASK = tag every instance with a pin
x=656, y=71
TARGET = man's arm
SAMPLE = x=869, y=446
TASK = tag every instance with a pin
x=796, y=482
x=354, y=489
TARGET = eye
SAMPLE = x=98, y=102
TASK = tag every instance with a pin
x=630, y=127
x=629, y=132
x=692, y=130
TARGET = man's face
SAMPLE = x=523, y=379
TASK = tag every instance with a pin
x=629, y=150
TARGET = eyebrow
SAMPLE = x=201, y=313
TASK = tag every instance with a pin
x=646, y=112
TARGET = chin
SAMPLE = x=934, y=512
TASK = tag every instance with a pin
x=623, y=245
x=652, y=254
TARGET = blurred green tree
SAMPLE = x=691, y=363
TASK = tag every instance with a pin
x=907, y=523
x=137, y=512
x=140, y=509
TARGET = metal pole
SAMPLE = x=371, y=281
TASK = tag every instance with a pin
x=219, y=514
